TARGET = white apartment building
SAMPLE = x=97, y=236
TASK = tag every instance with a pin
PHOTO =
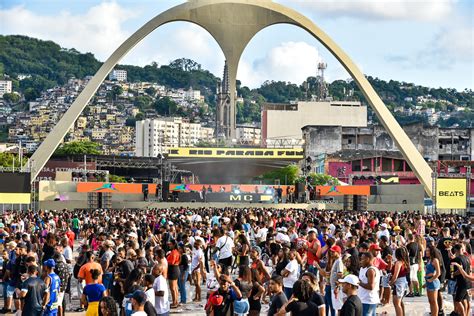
x=158, y=135
x=192, y=95
x=5, y=87
x=118, y=75
x=248, y=134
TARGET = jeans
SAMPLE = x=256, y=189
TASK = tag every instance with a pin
x=107, y=280
x=288, y=292
x=183, y=277
x=369, y=309
x=328, y=301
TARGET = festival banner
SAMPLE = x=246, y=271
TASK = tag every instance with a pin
x=333, y=190
x=118, y=188
x=451, y=193
x=236, y=153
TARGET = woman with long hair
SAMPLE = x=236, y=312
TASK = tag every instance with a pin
x=243, y=249
x=173, y=258
x=107, y=307
x=399, y=281
x=281, y=261
x=433, y=271
x=244, y=283
x=300, y=302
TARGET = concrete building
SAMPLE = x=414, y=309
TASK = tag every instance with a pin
x=432, y=142
x=5, y=87
x=248, y=134
x=158, y=135
x=118, y=75
x=293, y=117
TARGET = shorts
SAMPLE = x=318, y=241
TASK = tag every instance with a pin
x=451, y=287
x=414, y=272
x=400, y=287
x=173, y=272
x=59, y=301
x=433, y=286
x=241, y=307
x=461, y=294
x=10, y=291
x=385, y=280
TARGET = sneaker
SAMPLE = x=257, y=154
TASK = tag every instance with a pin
x=418, y=294
x=5, y=311
x=79, y=310
x=410, y=295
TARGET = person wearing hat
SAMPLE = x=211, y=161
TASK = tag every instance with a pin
x=139, y=299
x=352, y=306
x=383, y=231
x=53, y=284
x=333, y=296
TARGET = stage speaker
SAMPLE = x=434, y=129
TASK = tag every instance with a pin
x=299, y=188
x=166, y=191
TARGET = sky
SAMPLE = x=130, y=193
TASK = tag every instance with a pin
x=426, y=42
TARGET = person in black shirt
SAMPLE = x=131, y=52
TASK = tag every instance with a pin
x=300, y=303
x=35, y=294
x=279, y=298
x=461, y=296
x=316, y=298
x=352, y=306
x=444, y=245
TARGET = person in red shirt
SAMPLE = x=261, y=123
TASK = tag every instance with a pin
x=70, y=236
x=173, y=258
x=313, y=250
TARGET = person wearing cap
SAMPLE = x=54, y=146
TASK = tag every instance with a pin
x=53, y=285
x=383, y=231
x=352, y=306
x=139, y=299
x=333, y=296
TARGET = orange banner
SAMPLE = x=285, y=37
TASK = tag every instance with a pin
x=118, y=188
x=343, y=190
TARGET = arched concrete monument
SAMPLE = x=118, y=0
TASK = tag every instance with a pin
x=233, y=23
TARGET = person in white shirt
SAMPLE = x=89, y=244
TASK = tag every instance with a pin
x=224, y=246
x=290, y=273
x=261, y=236
x=160, y=286
x=197, y=236
x=148, y=281
x=197, y=269
x=369, y=277
x=383, y=231
x=281, y=237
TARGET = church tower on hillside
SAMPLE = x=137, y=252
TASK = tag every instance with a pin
x=224, y=118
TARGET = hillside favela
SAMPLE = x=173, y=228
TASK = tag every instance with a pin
x=253, y=157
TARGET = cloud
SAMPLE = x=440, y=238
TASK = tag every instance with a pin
x=289, y=61
x=450, y=45
x=99, y=30
x=421, y=10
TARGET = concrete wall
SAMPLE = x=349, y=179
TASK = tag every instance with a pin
x=322, y=139
x=392, y=197
x=288, y=124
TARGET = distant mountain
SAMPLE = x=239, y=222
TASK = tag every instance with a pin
x=49, y=65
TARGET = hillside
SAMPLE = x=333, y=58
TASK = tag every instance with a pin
x=49, y=65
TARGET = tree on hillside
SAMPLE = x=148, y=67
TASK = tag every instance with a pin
x=78, y=148
x=9, y=159
x=166, y=106
x=11, y=98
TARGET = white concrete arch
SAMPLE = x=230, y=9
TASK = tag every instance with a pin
x=233, y=23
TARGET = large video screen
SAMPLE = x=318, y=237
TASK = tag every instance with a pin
x=15, y=182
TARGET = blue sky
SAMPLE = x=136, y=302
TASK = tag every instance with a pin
x=428, y=42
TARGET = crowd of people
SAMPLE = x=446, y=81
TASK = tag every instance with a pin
x=239, y=261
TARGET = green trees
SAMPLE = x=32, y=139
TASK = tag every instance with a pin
x=166, y=106
x=11, y=97
x=10, y=160
x=78, y=148
x=286, y=175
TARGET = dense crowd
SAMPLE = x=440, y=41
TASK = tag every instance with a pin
x=298, y=262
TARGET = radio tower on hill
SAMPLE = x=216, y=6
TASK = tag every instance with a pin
x=322, y=89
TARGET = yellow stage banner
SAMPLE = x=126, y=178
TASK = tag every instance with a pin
x=451, y=193
x=15, y=198
x=249, y=153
